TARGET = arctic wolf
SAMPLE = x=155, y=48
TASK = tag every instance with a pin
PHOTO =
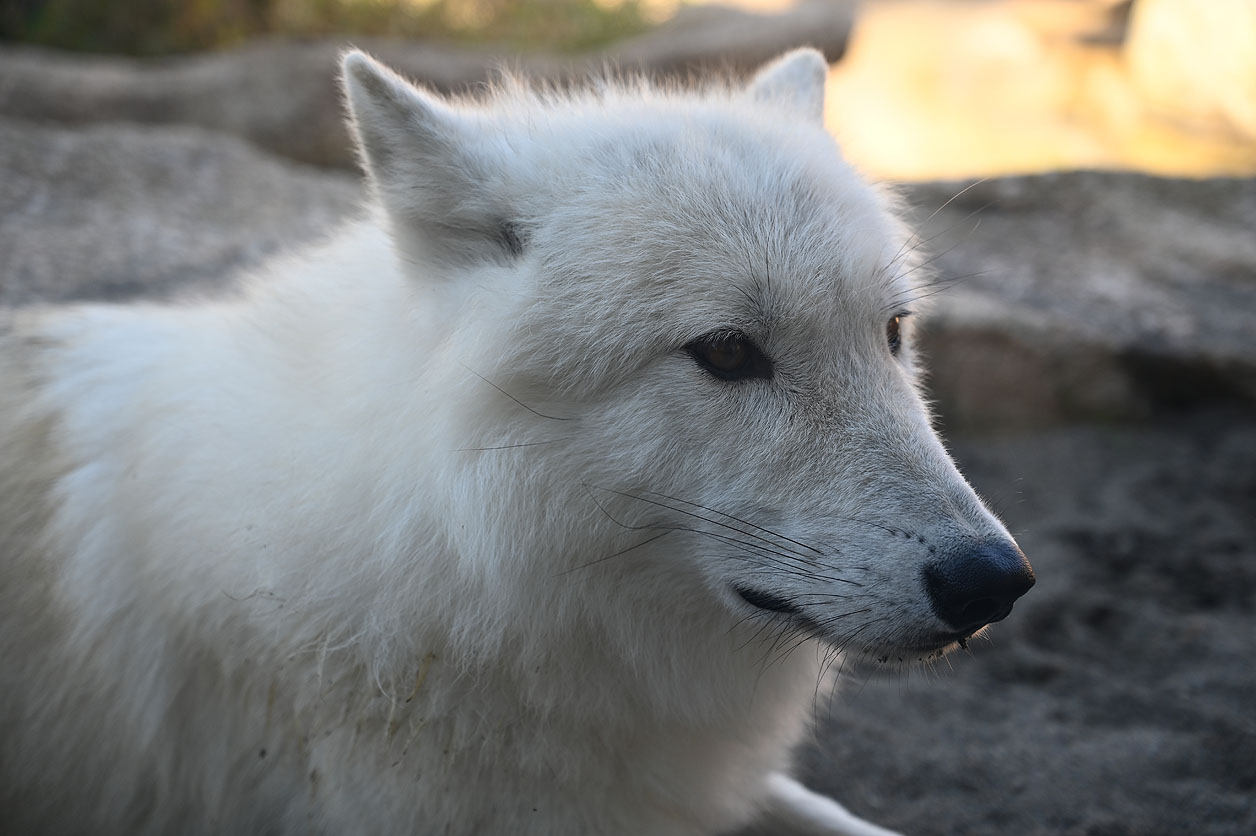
x=538, y=502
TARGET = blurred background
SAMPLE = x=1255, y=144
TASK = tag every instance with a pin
x=1083, y=176
x=925, y=88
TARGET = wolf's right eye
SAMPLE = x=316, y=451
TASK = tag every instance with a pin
x=894, y=332
x=730, y=355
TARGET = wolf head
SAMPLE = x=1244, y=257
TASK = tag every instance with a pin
x=673, y=343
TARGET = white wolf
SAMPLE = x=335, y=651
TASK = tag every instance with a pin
x=537, y=503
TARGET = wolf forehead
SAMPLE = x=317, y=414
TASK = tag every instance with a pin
x=696, y=190
x=643, y=204
x=719, y=193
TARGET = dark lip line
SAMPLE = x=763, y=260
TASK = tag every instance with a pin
x=787, y=610
x=766, y=600
x=783, y=610
x=944, y=640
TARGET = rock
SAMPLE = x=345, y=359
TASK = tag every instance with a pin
x=279, y=95
x=736, y=40
x=1088, y=296
x=282, y=95
x=116, y=212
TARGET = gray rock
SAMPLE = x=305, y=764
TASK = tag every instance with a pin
x=1088, y=295
x=115, y=212
x=279, y=95
x=282, y=95
x=735, y=40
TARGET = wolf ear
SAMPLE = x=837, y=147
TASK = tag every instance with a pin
x=433, y=168
x=795, y=80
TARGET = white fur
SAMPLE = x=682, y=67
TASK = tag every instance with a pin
x=354, y=551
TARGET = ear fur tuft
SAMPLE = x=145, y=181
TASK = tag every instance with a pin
x=428, y=164
x=389, y=115
x=795, y=80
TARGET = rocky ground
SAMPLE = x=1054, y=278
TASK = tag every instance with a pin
x=1095, y=367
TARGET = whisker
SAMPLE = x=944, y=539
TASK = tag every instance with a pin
x=616, y=520
x=506, y=446
x=783, y=550
x=644, y=542
x=829, y=622
x=775, y=558
x=884, y=528
x=831, y=657
x=923, y=264
x=901, y=300
x=512, y=397
x=954, y=198
x=943, y=286
x=792, y=561
x=765, y=553
x=744, y=546
x=737, y=519
x=913, y=241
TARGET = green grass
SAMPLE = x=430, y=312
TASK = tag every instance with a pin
x=162, y=27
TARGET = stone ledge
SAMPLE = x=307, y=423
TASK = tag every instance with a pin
x=1089, y=295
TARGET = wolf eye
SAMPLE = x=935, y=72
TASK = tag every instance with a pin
x=730, y=355
x=894, y=334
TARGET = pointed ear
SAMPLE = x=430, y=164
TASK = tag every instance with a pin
x=795, y=80
x=431, y=166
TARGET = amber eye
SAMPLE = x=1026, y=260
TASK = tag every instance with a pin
x=893, y=333
x=730, y=355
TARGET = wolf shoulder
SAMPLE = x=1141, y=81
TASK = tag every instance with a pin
x=123, y=411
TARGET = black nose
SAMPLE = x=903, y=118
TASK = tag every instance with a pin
x=970, y=589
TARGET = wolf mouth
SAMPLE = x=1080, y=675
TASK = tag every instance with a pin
x=767, y=601
x=922, y=649
x=790, y=611
x=936, y=644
